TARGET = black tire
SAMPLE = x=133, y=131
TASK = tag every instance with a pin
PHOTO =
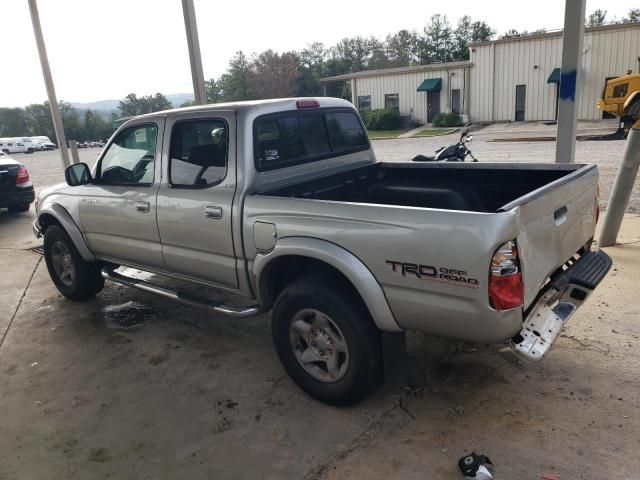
x=333, y=297
x=86, y=281
x=19, y=208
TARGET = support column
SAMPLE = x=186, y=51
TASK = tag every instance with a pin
x=621, y=191
x=73, y=146
x=197, y=75
x=570, y=80
x=354, y=92
x=56, y=117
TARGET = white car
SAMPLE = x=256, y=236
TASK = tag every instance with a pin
x=45, y=143
x=10, y=145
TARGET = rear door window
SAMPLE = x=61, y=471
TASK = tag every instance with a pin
x=294, y=138
x=198, y=153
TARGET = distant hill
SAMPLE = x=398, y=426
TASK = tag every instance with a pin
x=107, y=106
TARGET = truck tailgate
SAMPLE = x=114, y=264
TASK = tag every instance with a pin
x=555, y=222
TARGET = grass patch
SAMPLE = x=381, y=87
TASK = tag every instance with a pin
x=434, y=132
x=373, y=134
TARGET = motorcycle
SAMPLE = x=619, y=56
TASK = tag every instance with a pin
x=452, y=153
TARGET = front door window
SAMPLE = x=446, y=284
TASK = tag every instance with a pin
x=130, y=159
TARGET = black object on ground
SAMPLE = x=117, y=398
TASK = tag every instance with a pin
x=476, y=467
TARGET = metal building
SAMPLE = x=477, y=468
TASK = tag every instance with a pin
x=420, y=92
x=510, y=79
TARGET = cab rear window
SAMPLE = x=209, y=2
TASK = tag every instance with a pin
x=293, y=138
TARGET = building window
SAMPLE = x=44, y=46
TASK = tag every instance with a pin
x=455, y=101
x=364, y=103
x=392, y=100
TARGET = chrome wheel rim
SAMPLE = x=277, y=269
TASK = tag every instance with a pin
x=319, y=345
x=62, y=263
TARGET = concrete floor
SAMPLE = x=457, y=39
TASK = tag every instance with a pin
x=132, y=386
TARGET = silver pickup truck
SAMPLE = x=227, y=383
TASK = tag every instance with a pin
x=284, y=203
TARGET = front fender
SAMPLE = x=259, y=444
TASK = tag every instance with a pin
x=343, y=261
x=62, y=216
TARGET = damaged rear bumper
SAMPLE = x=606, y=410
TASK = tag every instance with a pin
x=557, y=304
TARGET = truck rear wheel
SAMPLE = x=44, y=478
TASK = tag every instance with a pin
x=74, y=277
x=326, y=340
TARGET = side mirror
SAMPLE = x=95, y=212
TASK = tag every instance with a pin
x=77, y=174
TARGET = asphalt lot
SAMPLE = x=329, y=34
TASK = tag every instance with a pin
x=129, y=385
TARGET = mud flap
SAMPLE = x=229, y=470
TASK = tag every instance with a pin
x=395, y=360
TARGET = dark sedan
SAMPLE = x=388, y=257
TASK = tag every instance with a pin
x=16, y=189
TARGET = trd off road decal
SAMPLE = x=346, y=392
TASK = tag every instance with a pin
x=439, y=274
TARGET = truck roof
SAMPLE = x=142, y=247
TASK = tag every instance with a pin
x=286, y=103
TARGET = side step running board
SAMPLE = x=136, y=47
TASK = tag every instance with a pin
x=221, y=309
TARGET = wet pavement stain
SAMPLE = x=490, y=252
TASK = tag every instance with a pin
x=126, y=315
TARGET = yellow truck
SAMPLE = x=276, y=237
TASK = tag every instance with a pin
x=621, y=97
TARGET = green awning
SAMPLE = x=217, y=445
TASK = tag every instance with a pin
x=431, y=85
x=555, y=76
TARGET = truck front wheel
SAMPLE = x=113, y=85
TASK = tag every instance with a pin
x=326, y=340
x=74, y=277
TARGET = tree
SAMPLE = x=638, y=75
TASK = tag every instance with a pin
x=13, y=122
x=157, y=103
x=378, y=58
x=402, y=48
x=273, y=75
x=311, y=63
x=133, y=105
x=73, y=127
x=598, y=17
x=634, y=15
x=462, y=38
x=213, y=91
x=514, y=33
x=481, y=32
x=39, y=120
x=437, y=43
x=95, y=127
x=130, y=106
x=352, y=54
x=233, y=84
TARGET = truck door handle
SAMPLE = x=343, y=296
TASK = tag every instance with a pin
x=143, y=207
x=213, y=212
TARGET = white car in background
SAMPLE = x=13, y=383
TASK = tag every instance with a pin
x=11, y=145
x=44, y=142
x=29, y=143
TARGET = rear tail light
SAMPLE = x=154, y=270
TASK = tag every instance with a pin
x=307, y=104
x=23, y=177
x=506, y=289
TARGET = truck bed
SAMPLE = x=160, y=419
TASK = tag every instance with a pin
x=477, y=187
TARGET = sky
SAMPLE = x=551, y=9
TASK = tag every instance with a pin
x=105, y=49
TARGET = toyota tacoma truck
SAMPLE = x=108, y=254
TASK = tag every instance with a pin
x=284, y=203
